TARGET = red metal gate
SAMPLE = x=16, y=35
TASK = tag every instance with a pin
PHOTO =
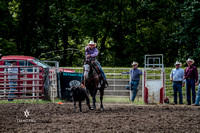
x=21, y=82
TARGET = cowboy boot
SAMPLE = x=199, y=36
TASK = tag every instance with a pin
x=103, y=82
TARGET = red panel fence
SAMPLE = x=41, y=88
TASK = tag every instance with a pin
x=21, y=82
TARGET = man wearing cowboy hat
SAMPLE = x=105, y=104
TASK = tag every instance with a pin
x=91, y=52
x=191, y=76
x=176, y=77
x=135, y=79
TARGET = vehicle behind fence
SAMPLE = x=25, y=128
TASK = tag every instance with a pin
x=25, y=82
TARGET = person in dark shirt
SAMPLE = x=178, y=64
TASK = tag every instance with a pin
x=191, y=76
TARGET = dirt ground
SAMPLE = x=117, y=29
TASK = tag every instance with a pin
x=115, y=118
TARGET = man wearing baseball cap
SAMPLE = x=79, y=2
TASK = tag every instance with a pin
x=191, y=76
x=176, y=77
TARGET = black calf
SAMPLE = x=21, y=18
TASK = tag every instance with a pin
x=80, y=94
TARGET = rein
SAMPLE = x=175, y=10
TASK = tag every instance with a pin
x=91, y=74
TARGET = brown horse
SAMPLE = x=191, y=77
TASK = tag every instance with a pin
x=91, y=81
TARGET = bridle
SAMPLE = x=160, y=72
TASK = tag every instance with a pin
x=91, y=73
x=86, y=70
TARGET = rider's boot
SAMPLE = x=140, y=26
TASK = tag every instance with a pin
x=103, y=82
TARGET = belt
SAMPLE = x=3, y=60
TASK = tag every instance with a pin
x=177, y=81
x=189, y=78
x=134, y=80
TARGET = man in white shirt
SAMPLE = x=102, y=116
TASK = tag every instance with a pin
x=176, y=77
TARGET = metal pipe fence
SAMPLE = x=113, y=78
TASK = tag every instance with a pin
x=118, y=82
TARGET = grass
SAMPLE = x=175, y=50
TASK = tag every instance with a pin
x=30, y=101
x=105, y=100
x=24, y=101
x=118, y=100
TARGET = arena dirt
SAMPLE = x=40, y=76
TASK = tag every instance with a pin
x=116, y=118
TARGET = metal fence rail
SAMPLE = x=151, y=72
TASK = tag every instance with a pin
x=118, y=82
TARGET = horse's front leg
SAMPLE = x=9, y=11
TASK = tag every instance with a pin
x=94, y=98
x=93, y=94
x=101, y=98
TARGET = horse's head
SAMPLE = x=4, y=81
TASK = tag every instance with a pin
x=86, y=70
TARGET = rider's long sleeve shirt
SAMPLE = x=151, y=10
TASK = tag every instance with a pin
x=92, y=52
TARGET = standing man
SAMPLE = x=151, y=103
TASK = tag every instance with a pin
x=198, y=97
x=176, y=77
x=135, y=79
x=13, y=75
x=191, y=76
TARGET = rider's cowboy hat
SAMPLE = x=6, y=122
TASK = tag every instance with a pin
x=190, y=60
x=92, y=43
x=177, y=63
x=134, y=63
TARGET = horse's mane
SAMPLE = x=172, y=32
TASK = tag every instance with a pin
x=92, y=71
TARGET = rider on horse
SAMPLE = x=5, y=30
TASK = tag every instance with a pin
x=91, y=52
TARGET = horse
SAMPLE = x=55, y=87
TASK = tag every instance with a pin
x=91, y=82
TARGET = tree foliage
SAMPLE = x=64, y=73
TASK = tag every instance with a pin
x=125, y=30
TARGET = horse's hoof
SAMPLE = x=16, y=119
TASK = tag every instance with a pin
x=93, y=108
x=102, y=109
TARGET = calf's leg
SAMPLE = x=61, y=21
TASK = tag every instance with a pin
x=88, y=102
x=80, y=106
x=74, y=106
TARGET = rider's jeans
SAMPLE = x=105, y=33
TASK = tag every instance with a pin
x=101, y=70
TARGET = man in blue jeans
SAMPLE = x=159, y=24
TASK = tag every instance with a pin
x=176, y=77
x=191, y=76
x=135, y=79
x=198, y=97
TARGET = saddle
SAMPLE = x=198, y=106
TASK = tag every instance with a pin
x=96, y=68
